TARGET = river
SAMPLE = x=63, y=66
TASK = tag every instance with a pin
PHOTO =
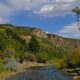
x=41, y=73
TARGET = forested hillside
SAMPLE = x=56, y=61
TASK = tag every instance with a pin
x=18, y=44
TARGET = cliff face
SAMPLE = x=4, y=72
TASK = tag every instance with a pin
x=58, y=40
x=26, y=33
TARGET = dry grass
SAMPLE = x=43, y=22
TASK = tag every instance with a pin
x=76, y=78
x=5, y=74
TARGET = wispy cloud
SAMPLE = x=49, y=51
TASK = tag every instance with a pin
x=71, y=31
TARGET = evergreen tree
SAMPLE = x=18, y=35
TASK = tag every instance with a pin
x=34, y=45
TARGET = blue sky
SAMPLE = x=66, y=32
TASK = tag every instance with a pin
x=52, y=16
x=49, y=24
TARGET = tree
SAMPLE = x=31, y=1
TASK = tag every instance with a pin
x=77, y=12
x=34, y=45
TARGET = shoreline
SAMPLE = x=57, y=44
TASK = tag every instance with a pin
x=22, y=67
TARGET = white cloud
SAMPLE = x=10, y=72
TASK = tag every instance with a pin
x=3, y=20
x=65, y=0
x=58, y=7
x=46, y=9
x=4, y=9
x=5, y=12
x=71, y=31
x=41, y=7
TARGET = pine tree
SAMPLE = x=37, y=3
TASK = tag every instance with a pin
x=34, y=45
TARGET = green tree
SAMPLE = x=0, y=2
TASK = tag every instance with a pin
x=34, y=45
x=77, y=12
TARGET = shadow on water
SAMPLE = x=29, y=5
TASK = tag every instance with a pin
x=40, y=73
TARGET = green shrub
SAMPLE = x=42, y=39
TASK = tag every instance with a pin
x=2, y=67
x=56, y=62
x=11, y=64
x=20, y=56
x=63, y=65
x=30, y=57
x=42, y=57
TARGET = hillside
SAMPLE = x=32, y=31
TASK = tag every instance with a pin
x=15, y=45
x=25, y=33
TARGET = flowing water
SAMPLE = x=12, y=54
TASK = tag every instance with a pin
x=41, y=73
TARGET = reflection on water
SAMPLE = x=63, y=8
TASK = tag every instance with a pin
x=40, y=73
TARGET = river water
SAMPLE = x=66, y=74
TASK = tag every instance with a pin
x=41, y=73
